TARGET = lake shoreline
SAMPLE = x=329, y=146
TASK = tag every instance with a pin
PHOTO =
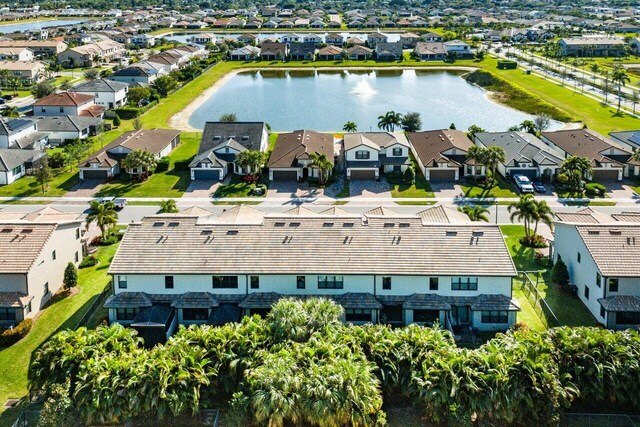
x=180, y=120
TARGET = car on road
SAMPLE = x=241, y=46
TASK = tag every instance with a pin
x=523, y=183
x=119, y=202
x=539, y=187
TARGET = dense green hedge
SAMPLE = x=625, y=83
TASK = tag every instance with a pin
x=11, y=336
x=302, y=366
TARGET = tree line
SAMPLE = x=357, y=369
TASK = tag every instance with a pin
x=302, y=365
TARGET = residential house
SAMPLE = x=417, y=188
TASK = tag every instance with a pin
x=291, y=156
x=302, y=51
x=430, y=51
x=374, y=38
x=109, y=93
x=76, y=39
x=34, y=270
x=220, y=144
x=27, y=72
x=143, y=40
x=458, y=49
x=65, y=128
x=335, y=39
x=16, y=54
x=431, y=37
x=92, y=54
x=273, y=51
x=21, y=133
x=609, y=161
x=368, y=153
x=601, y=260
x=204, y=38
x=388, y=51
x=592, y=46
x=629, y=139
x=195, y=265
x=49, y=47
x=245, y=53
x=248, y=38
x=525, y=154
x=68, y=103
x=136, y=74
x=15, y=163
x=315, y=39
x=409, y=40
x=359, y=53
x=290, y=38
x=442, y=155
x=105, y=164
x=330, y=53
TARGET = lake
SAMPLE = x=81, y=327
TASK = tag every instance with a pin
x=186, y=37
x=325, y=100
x=38, y=25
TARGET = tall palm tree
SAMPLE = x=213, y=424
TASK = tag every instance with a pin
x=251, y=160
x=523, y=210
x=476, y=213
x=389, y=121
x=104, y=215
x=620, y=76
x=493, y=156
x=321, y=162
x=139, y=163
x=577, y=168
x=350, y=127
x=594, y=69
x=634, y=99
x=605, y=84
x=542, y=213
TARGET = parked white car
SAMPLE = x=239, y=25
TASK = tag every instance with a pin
x=523, y=183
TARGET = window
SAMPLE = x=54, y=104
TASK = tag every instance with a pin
x=579, y=257
x=300, y=282
x=397, y=168
x=126, y=313
x=602, y=312
x=195, y=314
x=362, y=155
x=8, y=313
x=53, y=255
x=62, y=109
x=122, y=282
x=495, y=316
x=168, y=282
x=433, y=283
x=330, y=282
x=464, y=283
x=586, y=292
x=225, y=282
x=613, y=285
x=357, y=315
x=386, y=283
x=426, y=316
x=76, y=257
x=46, y=289
x=397, y=152
x=391, y=314
x=255, y=282
x=598, y=280
x=628, y=318
x=17, y=170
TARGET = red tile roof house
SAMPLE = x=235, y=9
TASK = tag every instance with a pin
x=105, y=164
x=68, y=103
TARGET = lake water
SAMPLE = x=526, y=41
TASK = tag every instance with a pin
x=38, y=25
x=186, y=37
x=325, y=100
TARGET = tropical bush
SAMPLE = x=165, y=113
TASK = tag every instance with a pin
x=163, y=164
x=595, y=189
x=13, y=335
x=301, y=365
x=88, y=261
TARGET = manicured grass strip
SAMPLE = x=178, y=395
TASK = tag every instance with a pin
x=238, y=188
x=63, y=314
x=502, y=188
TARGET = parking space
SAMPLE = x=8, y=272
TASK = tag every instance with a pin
x=204, y=188
x=447, y=189
x=86, y=188
x=369, y=188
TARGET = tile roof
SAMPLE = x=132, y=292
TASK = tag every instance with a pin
x=13, y=157
x=426, y=302
x=627, y=217
x=99, y=85
x=430, y=146
x=615, y=248
x=375, y=140
x=585, y=216
x=65, y=99
x=589, y=144
x=14, y=300
x=521, y=147
x=621, y=303
x=289, y=245
x=290, y=147
x=195, y=300
x=443, y=215
x=24, y=242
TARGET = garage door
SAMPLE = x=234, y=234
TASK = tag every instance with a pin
x=206, y=174
x=285, y=175
x=91, y=174
x=529, y=173
x=442, y=175
x=363, y=174
x=605, y=175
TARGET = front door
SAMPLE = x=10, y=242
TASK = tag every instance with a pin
x=461, y=314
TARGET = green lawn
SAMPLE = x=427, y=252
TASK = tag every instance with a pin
x=421, y=188
x=501, y=189
x=567, y=307
x=62, y=314
x=27, y=186
x=344, y=191
x=238, y=188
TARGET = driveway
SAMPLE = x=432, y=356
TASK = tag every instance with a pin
x=293, y=189
x=86, y=188
x=369, y=188
x=203, y=189
x=620, y=190
x=448, y=189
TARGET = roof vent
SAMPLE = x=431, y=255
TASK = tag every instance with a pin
x=217, y=137
x=232, y=232
x=615, y=232
x=389, y=224
x=327, y=224
x=6, y=230
x=27, y=230
x=631, y=241
x=348, y=225
x=174, y=224
x=158, y=224
x=245, y=137
x=594, y=232
x=206, y=232
x=477, y=233
x=452, y=233
x=404, y=225
x=294, y=224
x=279, y=224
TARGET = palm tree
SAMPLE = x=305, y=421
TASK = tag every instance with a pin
x=528, y=126
x=321, y=162
x=139, y=163
x=523, y=210
x=594, y=69
x=350, y=127
x=605, y=88
x=634, y=99
x=476, y=213
x=389, y=121
x=11, y=112
x=620, y=77
x=493, y=156
x=542, y=213
x=168, y=206
x=104, y=215
x=4, y=76
x=251, y=160
x=577, y=168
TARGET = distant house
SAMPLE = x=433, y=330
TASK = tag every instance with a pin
x=374, y=38
x=143, y=40
x=302, y=51
x=368, y=153
x=335, y=39
x=204, y=38
x=105, y=164
x=592, y=46
x=16, y=163
x=609, y=160
x=431, y=37
x=27, y=72
x=16, y=54
x=359, y=53
x=245, y=53
x=274, y=51
x=430, y=51
x=290, y=38
x=109, y=93
x=330, y=53
x=629, y=139
x=525, y=154
x=68, y=103
x=49, y=47
x=409, y=40
x=442, y=154
x=291, y=156
x=220, y=144
x=248, y=38
x=458, y=49
x=21, y=133
x=92, y=54
x=388, y=51
x=136, y=74
x=65, y=128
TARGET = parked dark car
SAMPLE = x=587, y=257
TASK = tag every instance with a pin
x=539, y=187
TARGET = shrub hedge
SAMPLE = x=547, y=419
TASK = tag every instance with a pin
x=11, y=336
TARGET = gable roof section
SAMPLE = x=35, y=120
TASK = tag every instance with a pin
x=100, y=85
x=615, y=248
x=11, y=157
x=429, y=145
x=151, y=140
x=65, y=99
x=67, y=123
x=290, y=147
x=374, y=140
x=24, y=242
x=521, y=147
x=589, y=144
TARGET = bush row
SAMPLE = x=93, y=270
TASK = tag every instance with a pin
x=302, y=366
x=11, y=336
